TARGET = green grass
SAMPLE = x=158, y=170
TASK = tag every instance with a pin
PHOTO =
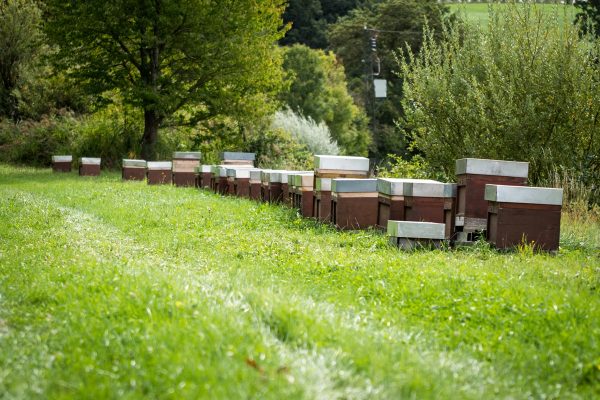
x=123, y=290
x=479, y=13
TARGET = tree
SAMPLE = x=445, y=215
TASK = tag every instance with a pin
x=310, y=18
x=523, y=88
x=589, y=17
x=318, y=90
x=393, y=25
x=20, y=38
x=182, y=61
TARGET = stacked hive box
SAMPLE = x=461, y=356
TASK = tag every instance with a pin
x=271, y=186
x=184, y=165
x=518, y=214
x=391, y=199
x=430, y=202
x=256, y=184
x=238, y=181
x=472, y=176
x=237, y=158
x=410, y=235
x=159, y=172
x=354, y=203
x=133, y=170
x=219, y=179
x=327, y=168
x=204, y=176
x=89, y=166
x=61, y=163
x=303, y=194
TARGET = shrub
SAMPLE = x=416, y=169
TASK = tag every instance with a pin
x=416, y=168
x=315, y=136
x=525, y=87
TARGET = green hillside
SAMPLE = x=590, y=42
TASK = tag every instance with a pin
x=124, y=290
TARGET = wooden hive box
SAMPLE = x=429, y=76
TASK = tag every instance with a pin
x=184, y=164
x=62, y=163
x=354, y=203
x=472, y=175
x=219, y=181
x=238, y=181
x=291, y=189
x=520, y=214
x=256, y=184
x=159, y=172
x=271, y=186
x=89, y=166
x=391, y=199
x=133, y=170
x=303, y=194
x=328, y=167
x=322, y=199
x=205, y=176
x=238, y=158
x=411, y=235
x=431, y=202
x=285, y=195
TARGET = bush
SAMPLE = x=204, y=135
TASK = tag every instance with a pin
x=315, y=136
x=525, y=87
x=275, y=148
x=415, y=168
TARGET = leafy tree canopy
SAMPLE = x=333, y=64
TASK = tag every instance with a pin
x=589, y=17
x=188, y=59
x=318, y=90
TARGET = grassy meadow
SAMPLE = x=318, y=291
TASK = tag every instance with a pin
x=123, y=290
x=479, y=13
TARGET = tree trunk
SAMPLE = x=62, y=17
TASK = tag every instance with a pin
x=151, y=124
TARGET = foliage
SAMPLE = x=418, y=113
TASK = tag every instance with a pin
x=190, y=60
x=114, y=289
x=309, y=19
x=589, y=16
x=315, y=136
x=20, y=40
x=395, y=24
x=416, y=168
x=318, y=90
x=277, y=149
x=524, y=88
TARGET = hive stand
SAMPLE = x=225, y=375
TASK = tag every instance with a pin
x=411, y=235
x=523, y=215
x=89, y=166
x=354, y=203
x=62, y=163
x=159, y=172
x=391, y=199
x=256, y=184
x=431, y=202
x=133, y=170
x=184, y=165
x=472, y=175
x=328, y=167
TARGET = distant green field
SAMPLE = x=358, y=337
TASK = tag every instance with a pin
x=480, y=12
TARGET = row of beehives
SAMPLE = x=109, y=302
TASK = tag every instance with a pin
x=490, y=200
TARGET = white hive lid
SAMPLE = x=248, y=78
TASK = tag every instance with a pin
x=62, y=158
x=429, y=189
x=416, y=230
x=523, y=194
x=255, y=175
x=134, y=163
x=341, y=163
x=349, y=185
x=478, y=166
x=205, y=168
x=395, y=186
x=305, y=180
x=187, y=155
x=159, y=165
x=89, y=160
x=237, y=156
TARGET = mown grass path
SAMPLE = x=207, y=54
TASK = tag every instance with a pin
x=123, y=290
